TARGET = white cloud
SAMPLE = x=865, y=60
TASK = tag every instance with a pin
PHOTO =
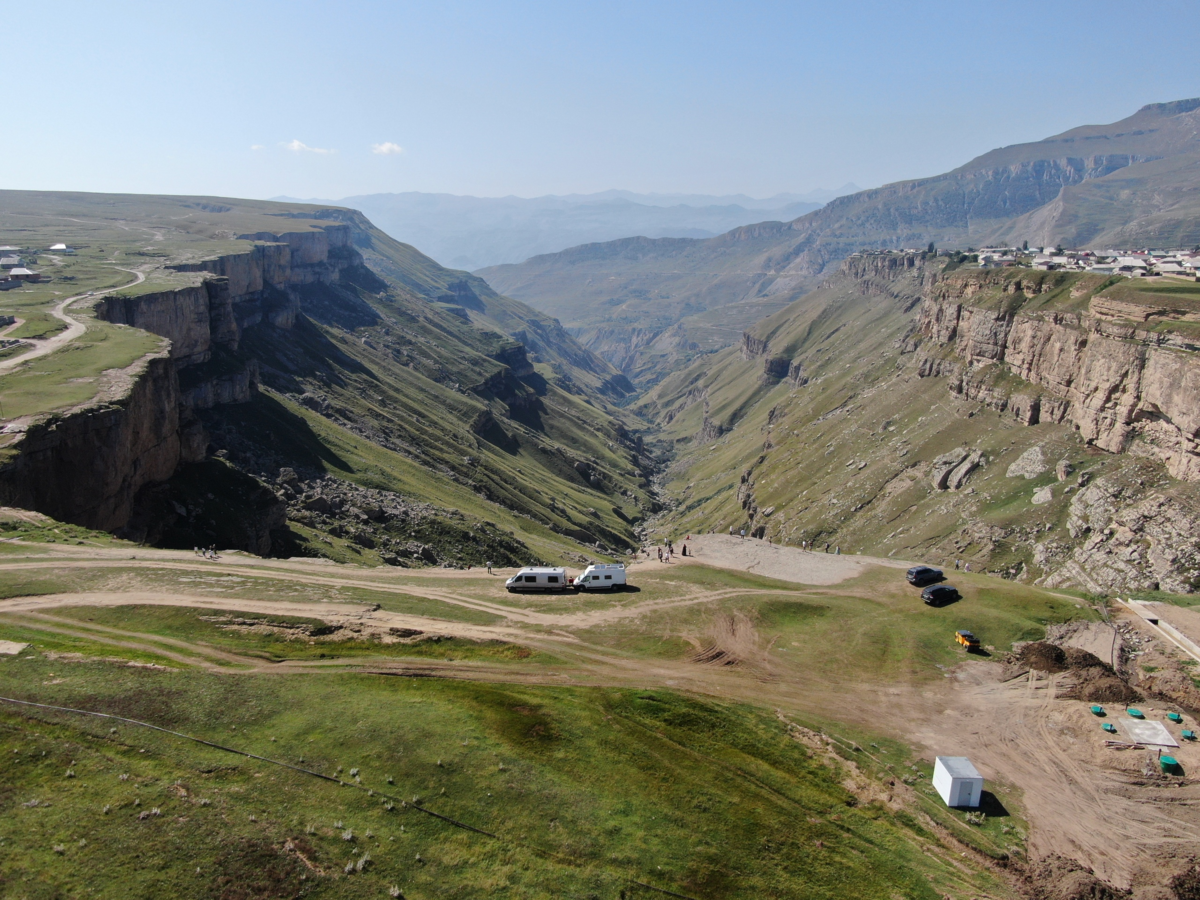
x=387, y=148
x=256, y=147
x=298, y=147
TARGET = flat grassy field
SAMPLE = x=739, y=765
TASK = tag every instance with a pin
x=71, y=375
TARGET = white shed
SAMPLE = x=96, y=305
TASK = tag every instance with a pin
x=957, y=781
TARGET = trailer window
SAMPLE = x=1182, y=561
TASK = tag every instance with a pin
x=551, y=579
x=531, y=579
x=608, y=578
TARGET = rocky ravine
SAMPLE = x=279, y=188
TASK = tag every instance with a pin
x=1033, y=424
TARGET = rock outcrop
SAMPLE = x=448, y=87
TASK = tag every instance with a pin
x=85, y=466
x=1115, y=382
x=951, y=470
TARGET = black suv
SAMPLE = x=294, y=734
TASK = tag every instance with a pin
x=939, y=594
x=923, y=575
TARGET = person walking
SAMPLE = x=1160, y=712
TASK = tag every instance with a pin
x=489, y=568
x=743, y=533
x=731, y=531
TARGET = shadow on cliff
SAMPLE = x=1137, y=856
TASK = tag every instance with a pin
x=304, y=352
x=265, y=435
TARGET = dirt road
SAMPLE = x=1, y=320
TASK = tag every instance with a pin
x=1107, y=808
x=42, y=346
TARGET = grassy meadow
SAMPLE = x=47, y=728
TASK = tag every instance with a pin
x=582, y=785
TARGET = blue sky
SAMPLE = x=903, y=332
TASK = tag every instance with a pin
x=532, y=98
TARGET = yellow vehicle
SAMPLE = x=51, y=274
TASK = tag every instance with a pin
x=967, y=639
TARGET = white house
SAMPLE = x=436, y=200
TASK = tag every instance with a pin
x=957, y=781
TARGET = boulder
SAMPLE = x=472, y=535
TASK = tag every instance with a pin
x=944, y=465
x=1029, y=464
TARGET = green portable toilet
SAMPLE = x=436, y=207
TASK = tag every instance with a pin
x=1097, y=710
x=1169, y=764
x=1135, y=713
x=1175, y=717
x=1188, y=735
x=1109, y=727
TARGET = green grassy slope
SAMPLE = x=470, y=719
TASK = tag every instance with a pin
x=845, y=458
x=586, y=791
x=416, y=379
x=582, y=791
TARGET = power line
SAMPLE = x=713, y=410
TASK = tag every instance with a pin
x=550, y=854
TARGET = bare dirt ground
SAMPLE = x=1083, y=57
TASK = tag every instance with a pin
x=1100, y=639
x=1109, y=809
x=774, y=561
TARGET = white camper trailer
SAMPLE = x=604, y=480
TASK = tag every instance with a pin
x=538, y=578
x=957, y=781
x=601, y=577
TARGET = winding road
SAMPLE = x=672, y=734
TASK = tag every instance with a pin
x=75, y=328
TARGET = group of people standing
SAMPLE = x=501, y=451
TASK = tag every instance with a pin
x=667, y=551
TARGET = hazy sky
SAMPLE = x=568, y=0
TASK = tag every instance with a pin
x=329, y=99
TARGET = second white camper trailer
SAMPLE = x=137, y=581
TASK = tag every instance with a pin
x=601, y=577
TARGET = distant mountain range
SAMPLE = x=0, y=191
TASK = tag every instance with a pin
x=473, y=232
x=642, y=302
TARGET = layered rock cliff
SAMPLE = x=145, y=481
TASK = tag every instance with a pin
x=1124, y=387
x=87, y=465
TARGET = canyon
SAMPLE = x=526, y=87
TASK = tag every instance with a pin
x=327, y=349
x=897, y=409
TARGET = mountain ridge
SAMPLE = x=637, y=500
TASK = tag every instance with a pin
x=765, y=265
x=473, y=232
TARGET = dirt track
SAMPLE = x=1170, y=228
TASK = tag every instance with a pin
x=42, y=346
x=1081, y=799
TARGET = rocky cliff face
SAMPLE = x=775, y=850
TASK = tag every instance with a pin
x=87, y=466
x=1049, y=348
x=1123, y=387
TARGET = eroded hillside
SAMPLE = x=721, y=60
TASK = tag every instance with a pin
x=315, y=387
x=1037, y=424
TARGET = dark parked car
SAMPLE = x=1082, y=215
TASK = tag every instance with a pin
x=939, y=594
x=923, y=575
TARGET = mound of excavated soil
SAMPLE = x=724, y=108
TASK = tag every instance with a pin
x=1059, y=878
x=1042, y=656
x=1095, y=680
x=1098, y=686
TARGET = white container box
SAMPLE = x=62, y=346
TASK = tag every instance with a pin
x=957, y=781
